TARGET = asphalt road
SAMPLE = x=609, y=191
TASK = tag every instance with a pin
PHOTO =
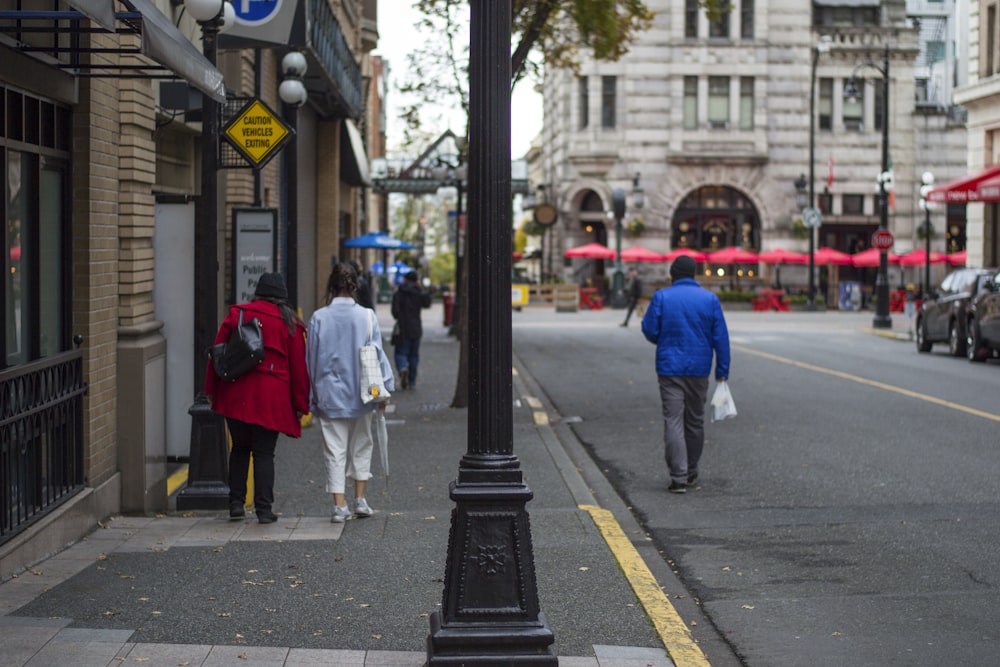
x=847, y=516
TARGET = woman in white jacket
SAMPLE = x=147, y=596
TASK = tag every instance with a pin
x=336, y=334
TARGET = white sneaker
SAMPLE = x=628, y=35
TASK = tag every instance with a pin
x=361, y=508
x=340, y=514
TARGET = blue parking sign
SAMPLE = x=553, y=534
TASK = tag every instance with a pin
x=255, y=12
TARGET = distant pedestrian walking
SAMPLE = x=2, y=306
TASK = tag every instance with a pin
x=407, y=303
x=269, y=399
x=633, y=290
x=686, y=323
x=336, y=334
x=365, y=296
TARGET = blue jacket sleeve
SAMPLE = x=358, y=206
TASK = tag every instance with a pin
x=720, y=341
x=651, y=320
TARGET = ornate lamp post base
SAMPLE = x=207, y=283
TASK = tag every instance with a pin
x=208, y=486
x=490, y=615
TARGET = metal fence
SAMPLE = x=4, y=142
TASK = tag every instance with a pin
x=41, y=439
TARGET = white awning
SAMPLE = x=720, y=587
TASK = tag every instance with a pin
x=162, y=42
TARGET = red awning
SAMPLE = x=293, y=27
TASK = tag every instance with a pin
x=989, y=190
x=966, y=189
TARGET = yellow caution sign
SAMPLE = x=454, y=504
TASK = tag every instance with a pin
x=518, y=295
x=257, y=132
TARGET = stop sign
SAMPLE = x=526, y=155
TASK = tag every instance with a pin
x=882, y=239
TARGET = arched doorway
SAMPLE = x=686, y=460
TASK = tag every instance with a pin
x=714, y=217
x=591, y=218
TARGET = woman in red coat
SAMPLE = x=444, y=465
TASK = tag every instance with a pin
x=268, y=400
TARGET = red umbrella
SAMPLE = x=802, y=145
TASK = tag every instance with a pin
x=732, y=255
x=956, y=258
x=830, y=256
x=782, y=256
x=591, y=251
x=639, y=254
x=871, y=257
x=696, y=255
x=919, y=258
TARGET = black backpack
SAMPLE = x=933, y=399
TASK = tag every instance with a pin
x=241, y=353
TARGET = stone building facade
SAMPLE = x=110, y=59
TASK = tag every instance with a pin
x=711, y=122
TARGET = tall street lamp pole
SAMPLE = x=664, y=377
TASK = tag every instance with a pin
x=928, y=184
x=207, y=486
x=882, y=319
x=822, y=47
x=293, y=95
x=490, y=613
x=618, y=280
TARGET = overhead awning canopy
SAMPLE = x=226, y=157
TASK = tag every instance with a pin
x=160, y=41
x=353, y=159
x=971, y=188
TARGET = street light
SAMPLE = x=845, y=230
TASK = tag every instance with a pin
x=207, y=486
x=802, y=199
x=823, y=46
x=618, y=280
x=293, y=95
x=882, y=318
x=927, y=205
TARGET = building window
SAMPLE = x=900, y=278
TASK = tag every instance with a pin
x=746, y=19
x=718, y=102
x=691, y=18
x=846, y=17
x=853, y=204
x=991, y=40
x=690, y=103
x=854, y=109
x=584, y=101
x=879, y=105
x=746, y=102
x=826, y=104
x=719, y=29
x=825, y=203
x=608, y=86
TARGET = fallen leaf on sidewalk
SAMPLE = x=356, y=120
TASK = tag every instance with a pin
x=584, y=569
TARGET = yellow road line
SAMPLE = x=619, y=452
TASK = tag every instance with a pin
x=674, y=634
x=871, y=383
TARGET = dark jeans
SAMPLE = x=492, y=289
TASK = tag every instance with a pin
x=251, y=439
x=632, y=303
x=407, y=355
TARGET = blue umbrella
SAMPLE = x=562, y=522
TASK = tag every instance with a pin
x=378, y=240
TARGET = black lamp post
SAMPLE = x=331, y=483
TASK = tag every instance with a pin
x=803, y=197
x=928, y=184
x=490, y=611
x=822, y=47
x=617, y=299
x=293, y=95
x=882, y=319
x=207, y=486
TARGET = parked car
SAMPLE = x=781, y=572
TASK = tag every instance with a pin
x=944, y=316
x=983, y=323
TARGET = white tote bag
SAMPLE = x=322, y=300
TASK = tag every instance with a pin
x=372, y=384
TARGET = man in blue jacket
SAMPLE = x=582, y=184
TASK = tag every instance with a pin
x=686, y=323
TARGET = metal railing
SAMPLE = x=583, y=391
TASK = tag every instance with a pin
x=41, y=439
x=332, y=50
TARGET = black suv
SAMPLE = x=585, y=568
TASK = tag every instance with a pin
x=943, y=317
x=982, y=338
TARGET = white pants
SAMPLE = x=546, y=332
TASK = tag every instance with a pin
x=347, y=448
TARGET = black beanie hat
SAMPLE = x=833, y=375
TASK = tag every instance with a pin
x=683, y=267
x=271, y=285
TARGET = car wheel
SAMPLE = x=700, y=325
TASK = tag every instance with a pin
x=956, y=343
x=972, y=343
x=923, y=345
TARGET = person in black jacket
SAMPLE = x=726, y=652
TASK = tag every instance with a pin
x=407, y=303
x=632, y=291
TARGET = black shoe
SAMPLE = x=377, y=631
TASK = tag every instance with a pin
x=623, y=324
x=677, y=488
x=266, y=516
x=692, y=480
x=236, y=511
x=404, y=377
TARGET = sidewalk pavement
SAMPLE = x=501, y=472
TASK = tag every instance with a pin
x=197, y=589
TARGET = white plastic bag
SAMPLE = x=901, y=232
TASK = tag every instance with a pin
x=723, y=406
x=372, y=384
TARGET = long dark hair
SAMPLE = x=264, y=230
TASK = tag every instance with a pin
x=343, y=279
x=288, y=314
